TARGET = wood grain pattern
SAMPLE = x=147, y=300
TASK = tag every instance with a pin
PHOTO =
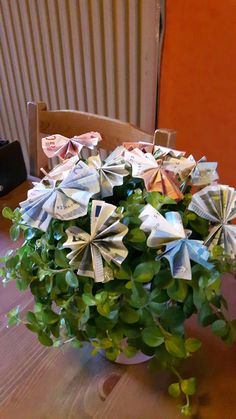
x=45, y=383
x=43, y=122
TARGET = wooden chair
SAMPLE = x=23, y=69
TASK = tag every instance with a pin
x=43, y=122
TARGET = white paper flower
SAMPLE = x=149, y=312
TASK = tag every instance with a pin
x=111, y=172
x=179, y=249
x=160, y=151
x=200, y=172
x=103, y=243
x=154, y=174
x=217, y=203
x=63, y=147
x=65, y=201
x=62, y=170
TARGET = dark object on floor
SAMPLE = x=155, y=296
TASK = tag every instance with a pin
x=3, y=142
x=12, y=167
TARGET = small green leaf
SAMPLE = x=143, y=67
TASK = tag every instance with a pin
x=124, y=272
x=31, y=318
x=130, y=351
x=200, y=225
x=174, y=390
x=13, y=316
x=163, y=279
x=7, y=213
x=206, y=316
x=14, y=232
x=33, y=327
x=58, y=232
x=101, y=297
x=178, y=291
x=57, y=343
x=72, y=279
x=175, y=346
x=12, y=262
x=129, y=315
x=172, y=317
x=188, y=386
x=136, y=235
x=76, y=344
x=220, y=328
x=49, y=317
x=88, y=299
x=29, y=233
x=111, y=354
x=145, y=271
x=103, y=309
x=60, y=258
x=192, y=345
x=45, y=339
x=186, y=410
x=152, y=336
x=55, y=329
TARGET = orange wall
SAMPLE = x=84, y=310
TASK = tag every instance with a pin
x=198, y=80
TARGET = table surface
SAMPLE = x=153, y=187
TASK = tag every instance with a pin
x=48, y=383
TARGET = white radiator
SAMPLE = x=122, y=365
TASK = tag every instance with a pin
x=99, y=56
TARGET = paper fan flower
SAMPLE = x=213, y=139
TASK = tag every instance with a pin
x=204, y=173
x=65, y=201
x=181, y=167
x=104, y=243
x=62, y=170
x=111, y=172
x=217, y=203
x=141, y=145
x=63, y=147
x=179, y=249
x=160, y=152
x=155, y=177
x=200, y=172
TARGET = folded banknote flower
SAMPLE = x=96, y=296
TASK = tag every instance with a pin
x=64, y=201
x=152, y=171
x=111, y=172
x=169, y=232
x=103, y=243
x=160, y=152
x=200, y=172
x=217, y=204
x=62, y=170
x=145, y=147
x=63, y=147
x=204, y=173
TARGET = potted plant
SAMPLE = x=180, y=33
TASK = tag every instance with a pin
x=121, y=252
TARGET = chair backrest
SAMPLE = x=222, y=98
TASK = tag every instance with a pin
x=43, y=122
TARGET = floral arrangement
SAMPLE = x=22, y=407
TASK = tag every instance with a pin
x=120, y=252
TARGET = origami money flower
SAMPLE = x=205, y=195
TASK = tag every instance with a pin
x=200, y=172
x=155, y=177
x=111, y=172
x=217, y=203
x=65, y=201
x=204, y=172
x=141, y=145
x=103, y=243
x=179, y=249
x=62, y=170
x=160, y=151
x=63, y=147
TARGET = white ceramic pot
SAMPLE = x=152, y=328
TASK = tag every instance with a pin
x=136, y=359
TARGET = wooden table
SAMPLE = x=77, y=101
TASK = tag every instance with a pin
x=44, y=383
